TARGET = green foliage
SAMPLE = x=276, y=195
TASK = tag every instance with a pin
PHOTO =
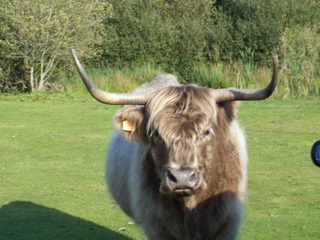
x=178, y=34
x=300, y=13
x=253, y=27
x=167, y=33
x=181, y=37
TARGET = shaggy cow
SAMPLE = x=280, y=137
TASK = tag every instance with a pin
x=177, y=163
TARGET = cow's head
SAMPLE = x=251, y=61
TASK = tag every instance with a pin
x=179, y=126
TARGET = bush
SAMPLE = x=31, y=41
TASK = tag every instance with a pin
x=300, y=13
x=177, y=34
x=167, y=33
x=253, y=27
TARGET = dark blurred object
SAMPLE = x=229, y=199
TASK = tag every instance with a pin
x=315, y=153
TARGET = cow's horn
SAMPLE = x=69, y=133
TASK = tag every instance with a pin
x=106, y=97
x=233, y=94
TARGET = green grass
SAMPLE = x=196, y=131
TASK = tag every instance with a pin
x=52, y=153
x=283, y=197
x=52, y=172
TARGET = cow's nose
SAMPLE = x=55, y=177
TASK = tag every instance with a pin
x=182, y=178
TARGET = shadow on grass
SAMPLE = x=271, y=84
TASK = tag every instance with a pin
x=26, y=220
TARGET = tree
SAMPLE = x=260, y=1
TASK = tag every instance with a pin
x=170, y=33
x=38, y=33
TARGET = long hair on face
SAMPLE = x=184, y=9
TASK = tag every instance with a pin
x=171, y=109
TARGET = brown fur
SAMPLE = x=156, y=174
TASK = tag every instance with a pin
x=180, y=127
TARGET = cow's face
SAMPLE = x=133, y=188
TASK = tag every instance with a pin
x=178, y=127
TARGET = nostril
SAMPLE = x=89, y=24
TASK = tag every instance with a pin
x=193, y=177
x=171, y=177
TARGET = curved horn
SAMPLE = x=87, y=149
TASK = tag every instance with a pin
x=106, y=97
x=233, y=94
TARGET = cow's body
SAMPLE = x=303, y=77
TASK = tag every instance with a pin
x=214, y=211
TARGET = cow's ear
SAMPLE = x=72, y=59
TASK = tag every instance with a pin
x=130, y=119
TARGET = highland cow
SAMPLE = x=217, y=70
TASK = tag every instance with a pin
x=177, y=163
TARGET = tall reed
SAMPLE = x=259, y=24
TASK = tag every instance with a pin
x=300, y=49
x=113, y=79
x=295, y=81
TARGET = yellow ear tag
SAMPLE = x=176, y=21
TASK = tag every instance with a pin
x=127, y=127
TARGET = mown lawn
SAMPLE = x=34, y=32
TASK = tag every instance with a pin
x=52, y=171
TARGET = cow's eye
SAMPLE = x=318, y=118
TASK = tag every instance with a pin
x=155, y=136
x=207, y=133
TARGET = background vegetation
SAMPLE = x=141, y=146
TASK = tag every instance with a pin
x=52, y=171
x=52, y=144
x=211, y=42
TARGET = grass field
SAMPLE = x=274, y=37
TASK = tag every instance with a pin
x=52, y=171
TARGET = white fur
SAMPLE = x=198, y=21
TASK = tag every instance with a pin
x=242, y=149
